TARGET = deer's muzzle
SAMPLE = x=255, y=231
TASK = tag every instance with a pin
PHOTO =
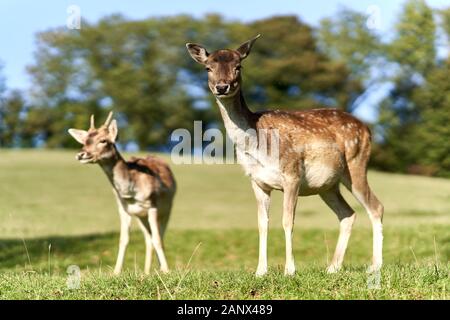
x=84, y=157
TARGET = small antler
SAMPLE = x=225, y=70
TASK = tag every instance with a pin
x=109, y=119
x=92, y=122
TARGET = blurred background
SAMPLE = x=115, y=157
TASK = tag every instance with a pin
x=385, y=61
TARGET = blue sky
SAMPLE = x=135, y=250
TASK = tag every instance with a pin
x=21, y=19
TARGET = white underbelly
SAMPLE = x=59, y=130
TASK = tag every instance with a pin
x=315, y=174
x=319, y=177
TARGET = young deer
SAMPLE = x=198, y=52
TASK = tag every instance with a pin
x=144, y=188
x=318, y=150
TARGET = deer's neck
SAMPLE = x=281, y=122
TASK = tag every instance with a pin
x=236, y=116
x=117, y=171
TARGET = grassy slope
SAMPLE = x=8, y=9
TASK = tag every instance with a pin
x=63, y=213
x=49, y=193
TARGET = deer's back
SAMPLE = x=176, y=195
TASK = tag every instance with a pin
x=298, y=129
x=155, y=172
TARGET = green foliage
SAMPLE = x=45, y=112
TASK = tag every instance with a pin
x=432, y=132
x=414, y=45
x=413, y=118
x=286, y=69
x=11, y=110
x=13, y=131
x=445, y=16
x=141, y=70
x=345, y=38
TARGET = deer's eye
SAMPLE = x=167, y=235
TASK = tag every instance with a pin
x=208, y=69
x=103, y=141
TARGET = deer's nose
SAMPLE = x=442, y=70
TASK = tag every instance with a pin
x=82, y=155
x=222, y=88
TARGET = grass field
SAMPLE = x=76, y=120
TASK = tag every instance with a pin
x=55, y=213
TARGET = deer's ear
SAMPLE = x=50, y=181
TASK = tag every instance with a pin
x=113, y=131
x=79, y=135
x=197, y=52
x=244, y=49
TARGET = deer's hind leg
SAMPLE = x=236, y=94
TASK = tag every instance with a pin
x=357, y=183
x=346, y=216
x=164, y=216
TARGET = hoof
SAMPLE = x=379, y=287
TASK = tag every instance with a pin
x=333, y=269
x=164, y=270
x=261, y=272
x=289, y=271
x=374, y=268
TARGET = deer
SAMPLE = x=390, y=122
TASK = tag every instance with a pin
x=319, y=149
x=144, y=188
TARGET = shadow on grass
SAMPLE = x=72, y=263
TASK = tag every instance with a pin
x=53, y=252
x=221, y=249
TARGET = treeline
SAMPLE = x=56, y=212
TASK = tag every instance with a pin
x=141, y=70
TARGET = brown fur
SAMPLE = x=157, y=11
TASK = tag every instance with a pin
x=319, y=149
x=144, y=188
x=157, y=173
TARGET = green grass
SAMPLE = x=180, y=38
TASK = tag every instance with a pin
x=398, y=282
x=56, y=213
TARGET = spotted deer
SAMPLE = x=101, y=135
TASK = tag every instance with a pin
x=318, y=150
x=144, y=188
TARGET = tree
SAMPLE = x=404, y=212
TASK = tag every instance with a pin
x=347, y=39
x=431, y=147
x=413, y=51
x=11, y=110
x=414, y=45
x=114, y=64
x=286, y=69
x=141, y=70
x=445, y=15
x=2, y=105
x=11, y=107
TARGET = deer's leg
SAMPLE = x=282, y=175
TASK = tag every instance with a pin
x=263, y=203
x=163, y=217
x=289, y=204
x=358, y=185
x=156, y=238
x=346, y=216
x=125, y=223
x=145, y=227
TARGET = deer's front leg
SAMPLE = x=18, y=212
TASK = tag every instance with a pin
x=156, y=238
x=125, y=222
x=145, y=227
x=263, y=203
x=289, y=205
